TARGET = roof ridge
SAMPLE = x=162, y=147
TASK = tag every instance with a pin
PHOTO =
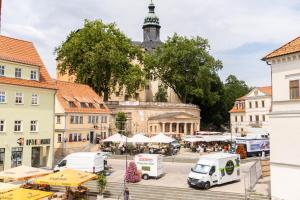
x=67, y=82
x=16, y=39
x=285, y=44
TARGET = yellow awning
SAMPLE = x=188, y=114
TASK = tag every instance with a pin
x=25, y=194
x=6, y=187
x=67, y=177
x=23, y=173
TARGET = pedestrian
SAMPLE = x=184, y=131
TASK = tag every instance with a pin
x=126, y=194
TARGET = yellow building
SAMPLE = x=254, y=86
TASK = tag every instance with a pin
x=81, y=119
x=26, y=106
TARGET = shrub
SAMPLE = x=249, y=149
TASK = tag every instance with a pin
x=101, y=182
x=132, y=174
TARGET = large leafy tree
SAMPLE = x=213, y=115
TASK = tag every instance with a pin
x=101, y=56
x=186, y=66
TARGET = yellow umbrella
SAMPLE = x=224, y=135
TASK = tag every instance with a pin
x=25, y=194
x=67, y=177
x=23, y=173
x=6, y=187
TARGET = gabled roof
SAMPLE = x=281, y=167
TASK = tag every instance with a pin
x=290, y=47
x=24, y=52
x=235, y=110
x=171, y=115
x=78, y=93
x=267, y=90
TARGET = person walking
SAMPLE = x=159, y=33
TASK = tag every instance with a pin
x=126, y=194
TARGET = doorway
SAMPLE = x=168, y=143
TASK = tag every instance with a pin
x=36, y=157
x=92, y=137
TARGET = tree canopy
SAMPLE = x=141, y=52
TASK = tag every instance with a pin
x=101, y=56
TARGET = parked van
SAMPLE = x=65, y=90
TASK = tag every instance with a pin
x=215, y=169
x=85, y=161
x=151, y=165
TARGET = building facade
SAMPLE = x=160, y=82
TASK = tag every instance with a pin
x=154, y=117
x=251, y=110
x=26, y=106
x=284, y=121
x=81, y=119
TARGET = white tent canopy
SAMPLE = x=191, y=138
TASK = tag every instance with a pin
x=139, y=138
x=115, y=138
x=161, y=138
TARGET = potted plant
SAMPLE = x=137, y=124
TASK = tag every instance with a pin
x=101, y=183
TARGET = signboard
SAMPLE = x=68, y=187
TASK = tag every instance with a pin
x=31, y=142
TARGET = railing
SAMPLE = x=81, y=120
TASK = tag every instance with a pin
x=251, y=178
x=255, y=124
x=142, y=103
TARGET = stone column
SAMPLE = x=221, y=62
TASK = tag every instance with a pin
x=192, y=128
x=163, y=127
x=177, y=127
x=185, y=128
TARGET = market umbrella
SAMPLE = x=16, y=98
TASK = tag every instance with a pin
x=25, y=194
x=6, y=187
x=139, y=138
x=23, y=173
x=115, y=138
x=193, y=139
x=161, y=138
x=67, y=177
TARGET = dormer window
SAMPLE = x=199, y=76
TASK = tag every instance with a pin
x=33, y=75
x=72, y=104
x=101, y=106
x=18, y=72
x=2, y=70
x=91, y=105
x=83, y=105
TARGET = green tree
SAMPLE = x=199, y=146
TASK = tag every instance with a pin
x=234, y=88
x=161, y=95
x=184, y=65
x=121, y=123
x=101, y=56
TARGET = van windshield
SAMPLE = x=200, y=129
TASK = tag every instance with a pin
x=202, y=169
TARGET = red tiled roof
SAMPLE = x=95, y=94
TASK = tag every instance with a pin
x=288, y=48
x=235, y=110
x=267, y=90
x=20, y=51
x=78, y=92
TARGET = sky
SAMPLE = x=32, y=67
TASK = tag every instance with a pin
x=240, y=32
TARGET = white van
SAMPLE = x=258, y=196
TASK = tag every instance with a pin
x=151, y=165
x=85, y=161
x=215, y=169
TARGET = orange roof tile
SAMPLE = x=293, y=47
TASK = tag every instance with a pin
x=241, y=98
x=267, y=90
x=78, y=92
x=235, y=110
x=20, y=51
x=290, y=47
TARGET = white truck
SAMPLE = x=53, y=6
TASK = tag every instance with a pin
x=151, y=165
x=215, y=169
x=85, y=161
x=254, y=144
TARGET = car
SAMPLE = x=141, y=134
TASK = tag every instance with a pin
x=175, y=144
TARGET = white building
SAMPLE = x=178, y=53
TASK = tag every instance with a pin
x=251, y=110
x=285, y=121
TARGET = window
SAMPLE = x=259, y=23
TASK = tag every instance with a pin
x=250, y=118
x=136, y=96
x=117, y=94
x=19, y=98
x=91, y=105
x=242, y=118
x=18, y=126
x=2, y=158
x=101, y=106
x=81, y=120
x=104, y=119
x=83, y=105
x=97, y=119
x=76, y=120
x=16, y=156
x=250, y=104
x=263, y=104
x=33, y=75
x=236, y=130
x=58, y=119
x=2, y=97
x=257, y=118
x=150, y=128
x=79, y=137
x=72, y=104
x=33, y=126
x=235, y=119
x=59, y=139
x=2, y=70
x=75, y=137
x=18, y=72
x=294, y=89
x=93, y=119
x=2, y=126
x=256, y=104
x=264, y=118
x=34, y=99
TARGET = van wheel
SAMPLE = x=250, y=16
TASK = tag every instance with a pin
x=145, y=176
x=206, y=185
